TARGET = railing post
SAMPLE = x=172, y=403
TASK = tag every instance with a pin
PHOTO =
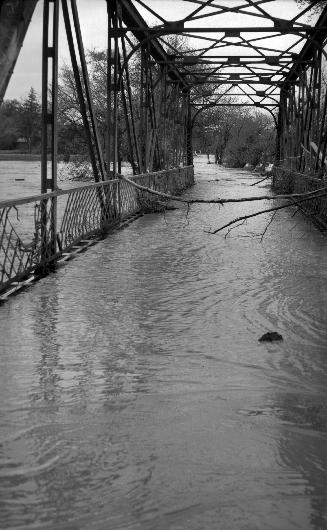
x=189, y=147
x=114, y=12
x=280, y=131
x=49, y=130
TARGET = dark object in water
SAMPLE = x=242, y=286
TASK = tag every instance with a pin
x=19, y=179
x=271, y=336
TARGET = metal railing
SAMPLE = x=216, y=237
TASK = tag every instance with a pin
x=36, y=231
x=290, y=181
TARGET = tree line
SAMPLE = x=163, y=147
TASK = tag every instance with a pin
x=20, y=122
x=236, y=135
x=233, y=135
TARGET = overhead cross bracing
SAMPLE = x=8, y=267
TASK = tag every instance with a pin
x=268, y=54
x=239, y=48
x=193, y=55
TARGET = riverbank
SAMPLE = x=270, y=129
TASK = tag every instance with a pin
x=17, y=156
x=20, y=155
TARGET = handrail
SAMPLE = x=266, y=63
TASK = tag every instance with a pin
x=37, y=231
x=57, y=193
x=297, y=174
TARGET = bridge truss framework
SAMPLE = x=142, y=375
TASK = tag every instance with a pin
x=235, y=52
x=161, y=73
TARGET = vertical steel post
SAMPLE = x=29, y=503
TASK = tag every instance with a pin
x=145, y=56
x=49, y=117
x=86, y=82
x=189, y=147
x=303, y=117
x=109, y=90
x=116, y=89
x=49, y=127
x=114, y=11
x=128, y=128
x=317, y=107
x=131, y=111
x=281, y=125
x=165, y=120
x=142, y=134
x=322, y=146
x=320, y=111
x=96, y=166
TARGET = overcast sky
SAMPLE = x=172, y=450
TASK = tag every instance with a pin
x=93, y=19
x=27, y=73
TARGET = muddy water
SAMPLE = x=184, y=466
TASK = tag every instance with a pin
x=22, y=178
x=19, y=178
x=134, y=391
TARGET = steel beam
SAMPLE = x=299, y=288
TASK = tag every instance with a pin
x=317, y=36
x=49, y=130
x=232, y=33
x=15, y=17
x=83, y=90
x=137, y=25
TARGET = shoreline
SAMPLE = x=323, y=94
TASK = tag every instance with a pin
x=13, y=157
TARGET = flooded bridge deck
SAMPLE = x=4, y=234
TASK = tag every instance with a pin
x=135, y=393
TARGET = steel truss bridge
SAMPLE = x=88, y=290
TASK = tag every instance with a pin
x=191, y=55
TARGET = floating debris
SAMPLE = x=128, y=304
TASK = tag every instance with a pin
x=271, y=336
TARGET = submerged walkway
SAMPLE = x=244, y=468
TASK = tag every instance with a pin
x=135, y=394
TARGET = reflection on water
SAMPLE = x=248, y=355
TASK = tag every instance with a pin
x=134, y=391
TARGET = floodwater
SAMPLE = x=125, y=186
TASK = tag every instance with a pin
x=22, y=178
x=134, y=391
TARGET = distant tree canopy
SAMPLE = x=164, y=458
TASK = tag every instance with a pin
x=71, y=131
x=235, y=135
x=9, y=124
x=30, y=120
x=317, y=5
x=21, y=120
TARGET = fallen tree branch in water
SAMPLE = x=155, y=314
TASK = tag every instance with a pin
x=232, y=228
x=219, y=200
x=262, y=180
x=260, y=212
x=268, y=225
x=293, y=199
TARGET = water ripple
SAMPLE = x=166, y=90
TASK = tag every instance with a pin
x=134, y=390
